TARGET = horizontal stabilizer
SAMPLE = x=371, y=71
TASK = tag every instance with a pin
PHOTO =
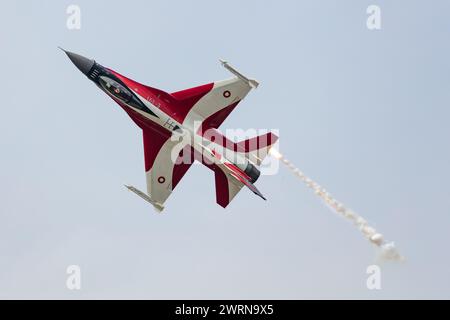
x=256, y=149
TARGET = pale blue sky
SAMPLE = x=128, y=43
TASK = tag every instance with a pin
x=365, y=113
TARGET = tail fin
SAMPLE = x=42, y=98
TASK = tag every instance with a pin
x=256, y=149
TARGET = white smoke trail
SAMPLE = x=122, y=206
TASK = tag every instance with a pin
x=388, y=249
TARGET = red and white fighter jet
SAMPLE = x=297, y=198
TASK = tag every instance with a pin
x=181, y=127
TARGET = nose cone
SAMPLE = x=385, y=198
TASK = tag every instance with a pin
x=83, y=64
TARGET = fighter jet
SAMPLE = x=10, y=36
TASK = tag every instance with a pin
x=181, y=127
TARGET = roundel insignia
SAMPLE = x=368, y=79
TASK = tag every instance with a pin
x=161, y=179
x=226, y=94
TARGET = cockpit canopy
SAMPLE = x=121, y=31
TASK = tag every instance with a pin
x=115, y=89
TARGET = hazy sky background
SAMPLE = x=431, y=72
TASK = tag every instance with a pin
x=365, y=113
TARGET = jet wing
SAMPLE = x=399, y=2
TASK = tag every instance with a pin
x=215, y=106
x=211, y=104
x=163, y=174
